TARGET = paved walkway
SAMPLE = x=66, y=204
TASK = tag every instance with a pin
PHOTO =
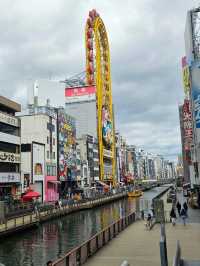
x=141, y=247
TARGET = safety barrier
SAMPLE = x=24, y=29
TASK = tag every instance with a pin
x=80, y=254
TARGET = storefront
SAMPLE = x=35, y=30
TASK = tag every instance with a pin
x=9, y=185
x=51, y=188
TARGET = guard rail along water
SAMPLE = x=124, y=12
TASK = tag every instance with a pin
x=8, y=226
x=80, y=254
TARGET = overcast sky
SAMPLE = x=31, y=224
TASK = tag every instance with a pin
x=45, y=39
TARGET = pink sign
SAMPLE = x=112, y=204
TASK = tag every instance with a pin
x=80, y=91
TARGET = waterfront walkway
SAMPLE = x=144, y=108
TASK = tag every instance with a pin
x=140, y=247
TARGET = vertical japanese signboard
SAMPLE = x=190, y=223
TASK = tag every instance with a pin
x=187, y=123
x=186, y=76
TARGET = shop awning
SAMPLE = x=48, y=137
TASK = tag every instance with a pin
x=54, y=181
x=102, y=184
x=31, y=195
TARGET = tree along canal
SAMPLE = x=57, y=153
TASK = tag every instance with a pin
x=54, y=238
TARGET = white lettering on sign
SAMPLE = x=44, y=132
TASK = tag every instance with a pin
x=9, y=177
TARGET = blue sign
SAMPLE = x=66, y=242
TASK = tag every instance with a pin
x=197, y=110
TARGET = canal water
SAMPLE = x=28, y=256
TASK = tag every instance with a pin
x=52, y=239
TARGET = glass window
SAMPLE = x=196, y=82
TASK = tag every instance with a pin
x=54, y=141
x=54, y=155
x=48, y=170
x=47, y=154
x=8, y=129
x=54, y=170
x=47, y=140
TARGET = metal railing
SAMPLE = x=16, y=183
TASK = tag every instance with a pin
x=80, y=254
x=44, y=213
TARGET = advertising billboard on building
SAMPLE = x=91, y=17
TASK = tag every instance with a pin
x=9, y=157
x=79, y=94
x=187, y=124
x=186, y=76
x=188, y=38
x=38, y=156
x=196, y=94
x=66, y=146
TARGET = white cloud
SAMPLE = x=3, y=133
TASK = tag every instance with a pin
x=42, y=39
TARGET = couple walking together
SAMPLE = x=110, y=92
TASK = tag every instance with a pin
x=181, y=211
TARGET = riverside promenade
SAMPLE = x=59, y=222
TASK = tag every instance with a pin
x=140, y=247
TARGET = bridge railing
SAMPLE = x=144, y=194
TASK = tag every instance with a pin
x=80, y=254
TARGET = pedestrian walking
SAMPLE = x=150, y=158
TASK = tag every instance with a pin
x=149, y=221
x=178, y=206
x=185, y=206
x=183, y=215
x=173, y=216
x=142, y=214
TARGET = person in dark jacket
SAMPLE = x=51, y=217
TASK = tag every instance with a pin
x=185, y=206
x=173, y=216
x=178, y=206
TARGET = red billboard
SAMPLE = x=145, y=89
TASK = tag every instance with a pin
x=78, y=94
x=187, y=124
x=80, y=91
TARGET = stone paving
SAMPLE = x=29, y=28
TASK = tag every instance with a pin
x=141, y=247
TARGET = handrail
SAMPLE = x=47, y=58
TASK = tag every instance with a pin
x=78, y=255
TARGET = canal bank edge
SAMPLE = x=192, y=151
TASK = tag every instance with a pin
x=24, y=222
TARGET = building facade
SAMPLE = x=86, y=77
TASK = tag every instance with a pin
x=67, y=156
x=89, y=159
x=39, y=152
x=81, y=103
x=10, y=150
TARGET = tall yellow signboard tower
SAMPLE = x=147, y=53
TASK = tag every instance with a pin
x=98, y=73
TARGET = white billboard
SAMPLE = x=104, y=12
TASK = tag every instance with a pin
x=38, y=169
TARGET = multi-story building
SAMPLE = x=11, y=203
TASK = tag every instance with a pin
x=81, y=103
x=10, y=158
x=89, y=158
x=191, y=78
x=39, y=151
x=158, y=163
x=67, y=155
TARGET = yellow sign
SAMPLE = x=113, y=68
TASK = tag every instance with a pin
x=186, y=79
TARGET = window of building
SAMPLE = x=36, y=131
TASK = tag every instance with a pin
x=54, y=141
x=9, y=147
x=47, y=154
x=54, y=155
x=8, y=129
x=54, y=171
x=47, y=140
x=48, y=170
x=9, y=168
